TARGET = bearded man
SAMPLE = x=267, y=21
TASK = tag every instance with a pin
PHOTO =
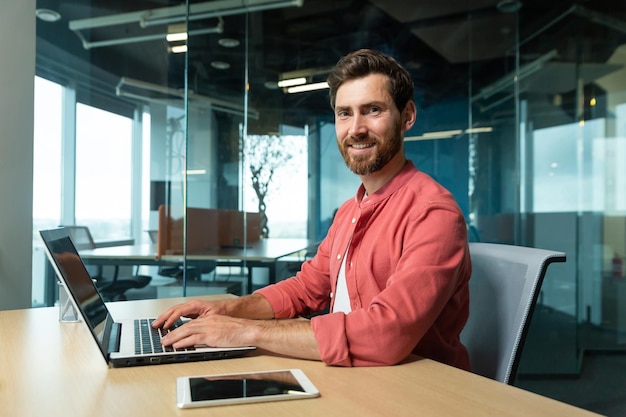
x=394, y=267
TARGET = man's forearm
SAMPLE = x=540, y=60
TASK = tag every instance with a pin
x=253, y=306
x=291, y=337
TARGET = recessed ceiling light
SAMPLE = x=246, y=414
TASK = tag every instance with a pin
x=221, y=65
x=48, y=15
x=228, y=42
x=178, y=49
x=177, y=37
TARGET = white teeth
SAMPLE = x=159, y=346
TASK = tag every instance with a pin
x=360, y=145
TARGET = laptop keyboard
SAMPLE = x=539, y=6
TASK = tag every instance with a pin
x=148, y=339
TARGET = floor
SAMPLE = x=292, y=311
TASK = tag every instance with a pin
x=601, y=386
x=592, y=376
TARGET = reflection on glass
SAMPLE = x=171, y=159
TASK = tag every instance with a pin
x=253, y=385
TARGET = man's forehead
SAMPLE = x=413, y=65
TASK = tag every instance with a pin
x=363, y=90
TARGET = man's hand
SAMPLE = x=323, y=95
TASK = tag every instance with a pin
x=211, y=330
x=250, y=306
x=243, y=321
x=292, y=337
x=191, y=309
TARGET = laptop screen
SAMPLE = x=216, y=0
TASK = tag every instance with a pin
x=74, y=274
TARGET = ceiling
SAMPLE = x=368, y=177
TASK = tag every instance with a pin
x=439, y=41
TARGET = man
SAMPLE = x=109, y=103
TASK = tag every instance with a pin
x=394, y=267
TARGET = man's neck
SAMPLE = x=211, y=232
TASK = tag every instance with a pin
x=373, y=182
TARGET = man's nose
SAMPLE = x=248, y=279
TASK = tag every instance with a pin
x=358, y=126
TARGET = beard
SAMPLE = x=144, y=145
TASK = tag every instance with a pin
x=386, y=149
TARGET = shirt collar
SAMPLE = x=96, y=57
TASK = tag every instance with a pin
x=401, y=178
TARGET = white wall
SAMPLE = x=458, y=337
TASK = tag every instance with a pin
x=17, y=72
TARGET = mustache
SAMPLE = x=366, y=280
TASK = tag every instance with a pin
x=360, y=139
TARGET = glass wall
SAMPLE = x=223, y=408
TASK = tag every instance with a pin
x=548, y=176
x=521, y=114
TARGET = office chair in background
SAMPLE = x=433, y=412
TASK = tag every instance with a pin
x=111, y=289
x=194, y=272
x=504, y=287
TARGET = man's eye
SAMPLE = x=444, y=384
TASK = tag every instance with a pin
x=374, y=110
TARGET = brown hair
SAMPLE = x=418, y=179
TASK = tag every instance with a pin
x=364, y=62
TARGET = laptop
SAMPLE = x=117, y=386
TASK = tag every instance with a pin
x=120, y=342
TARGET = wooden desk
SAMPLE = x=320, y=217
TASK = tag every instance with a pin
x=70, y=378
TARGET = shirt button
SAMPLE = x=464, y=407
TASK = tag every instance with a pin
x=339, y=256
x=331, y=295
x=353, y=220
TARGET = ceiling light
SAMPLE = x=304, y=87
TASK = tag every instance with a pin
x=296, y=81
x=176, y=37
x=447, y=134
x=177, y=33
x=220, y=65
x=178, y=49
x=48, y=15
x=443, y=133
x=479, y=130
x=307, y=87
x=195, y=171
x=228, y=42
x=291, y=82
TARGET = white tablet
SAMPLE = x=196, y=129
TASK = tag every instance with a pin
x=249, y=387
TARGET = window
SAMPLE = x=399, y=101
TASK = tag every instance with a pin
x=283, y=170
x=47, y=154
x=48, y=132
x=103, y=172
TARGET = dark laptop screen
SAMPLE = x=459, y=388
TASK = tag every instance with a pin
x=77, y=279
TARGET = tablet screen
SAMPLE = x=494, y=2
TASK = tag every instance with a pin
x=244, y=386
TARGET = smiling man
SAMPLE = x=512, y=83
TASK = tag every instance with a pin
x=394, y=267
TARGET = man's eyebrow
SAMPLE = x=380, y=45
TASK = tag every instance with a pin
x=374, y=103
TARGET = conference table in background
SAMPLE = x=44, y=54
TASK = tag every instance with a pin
x=263, y=254
x=55, y=369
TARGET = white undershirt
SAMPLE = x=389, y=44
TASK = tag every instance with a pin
x=342, y=298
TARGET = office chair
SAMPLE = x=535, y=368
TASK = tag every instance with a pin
x=111, y=289
x=504, y=287
x=194, y=272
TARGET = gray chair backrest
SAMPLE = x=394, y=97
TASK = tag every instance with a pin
x=504, y=286
x=81, y=236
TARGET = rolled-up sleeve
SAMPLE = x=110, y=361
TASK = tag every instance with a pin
x=330, y=330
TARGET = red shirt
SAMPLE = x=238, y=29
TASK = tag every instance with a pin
x=407, y=272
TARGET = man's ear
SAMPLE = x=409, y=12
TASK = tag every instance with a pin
x=409, y=114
